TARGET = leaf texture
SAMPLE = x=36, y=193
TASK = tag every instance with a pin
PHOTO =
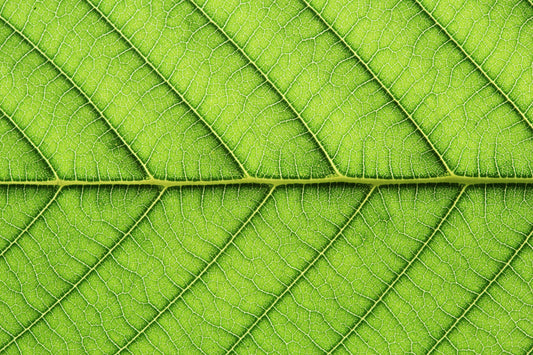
x=273, y=176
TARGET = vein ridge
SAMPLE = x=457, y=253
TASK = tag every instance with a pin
x=378, y=181
x=402, y=272
x=320, y=254
x=378, y=80
x=87, y=273
x=202, y=272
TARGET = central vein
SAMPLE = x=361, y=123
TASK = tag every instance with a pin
x=451, y=179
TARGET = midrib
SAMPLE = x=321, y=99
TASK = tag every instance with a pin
x=450, y=179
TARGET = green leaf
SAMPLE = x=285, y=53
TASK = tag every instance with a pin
x=280, y=176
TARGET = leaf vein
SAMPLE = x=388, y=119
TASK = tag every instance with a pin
x=402, y=272
x=30, y=141
x=32, y=222
x=272, y=85
x=202, y=272
x=476, y=65
x=170, y=86
x=80, y=90
x=320, y=254
x=383, y=86
x=483, y=291
x=86, y=274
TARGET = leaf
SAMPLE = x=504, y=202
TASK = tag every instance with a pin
x=288, y=176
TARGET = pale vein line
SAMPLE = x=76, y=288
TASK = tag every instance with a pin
x=476, y=65
x=483, y=291
x=88, y=272
x=37, y=149
x=169, y=85
x=401, y=274
x=378, y=80
x=204, y=270
x=41, y=212
x=448, y=179
x=303, y=272
x=82, y=92
x=272, y=85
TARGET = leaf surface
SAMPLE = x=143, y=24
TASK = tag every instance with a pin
x=274, y=176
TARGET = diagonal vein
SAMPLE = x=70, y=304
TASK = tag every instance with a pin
x=41, y=212
x=81, y=91
x=476, y=65
x=272, y=85
x=170, y=86
x=201, y=273
x=402, y=272
x=29, y=140
x=482, y=292
x=87, y=273
x=303, y=272
x=383, y=86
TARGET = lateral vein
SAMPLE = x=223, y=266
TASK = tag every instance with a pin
x=401, y=274
x=382, y=85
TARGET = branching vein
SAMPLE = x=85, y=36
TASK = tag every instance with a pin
x=401, y=274
x=170, y=86
x=201, y=273
x=30, y=141
x=81, y=91
x=476, y=65
x=32, y=222
x=309, y=266
x=483, y=291
x=87, y=273
x=378, y=80
x=272, y=85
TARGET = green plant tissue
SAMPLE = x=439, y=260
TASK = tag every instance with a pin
x=266, y=176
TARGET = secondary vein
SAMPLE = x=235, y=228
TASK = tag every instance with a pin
x=201, y=273
x=401, y=274
x=273, y=86
x=86, y=274
x=382, y=85
x=81, y=91
x=309, y=266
